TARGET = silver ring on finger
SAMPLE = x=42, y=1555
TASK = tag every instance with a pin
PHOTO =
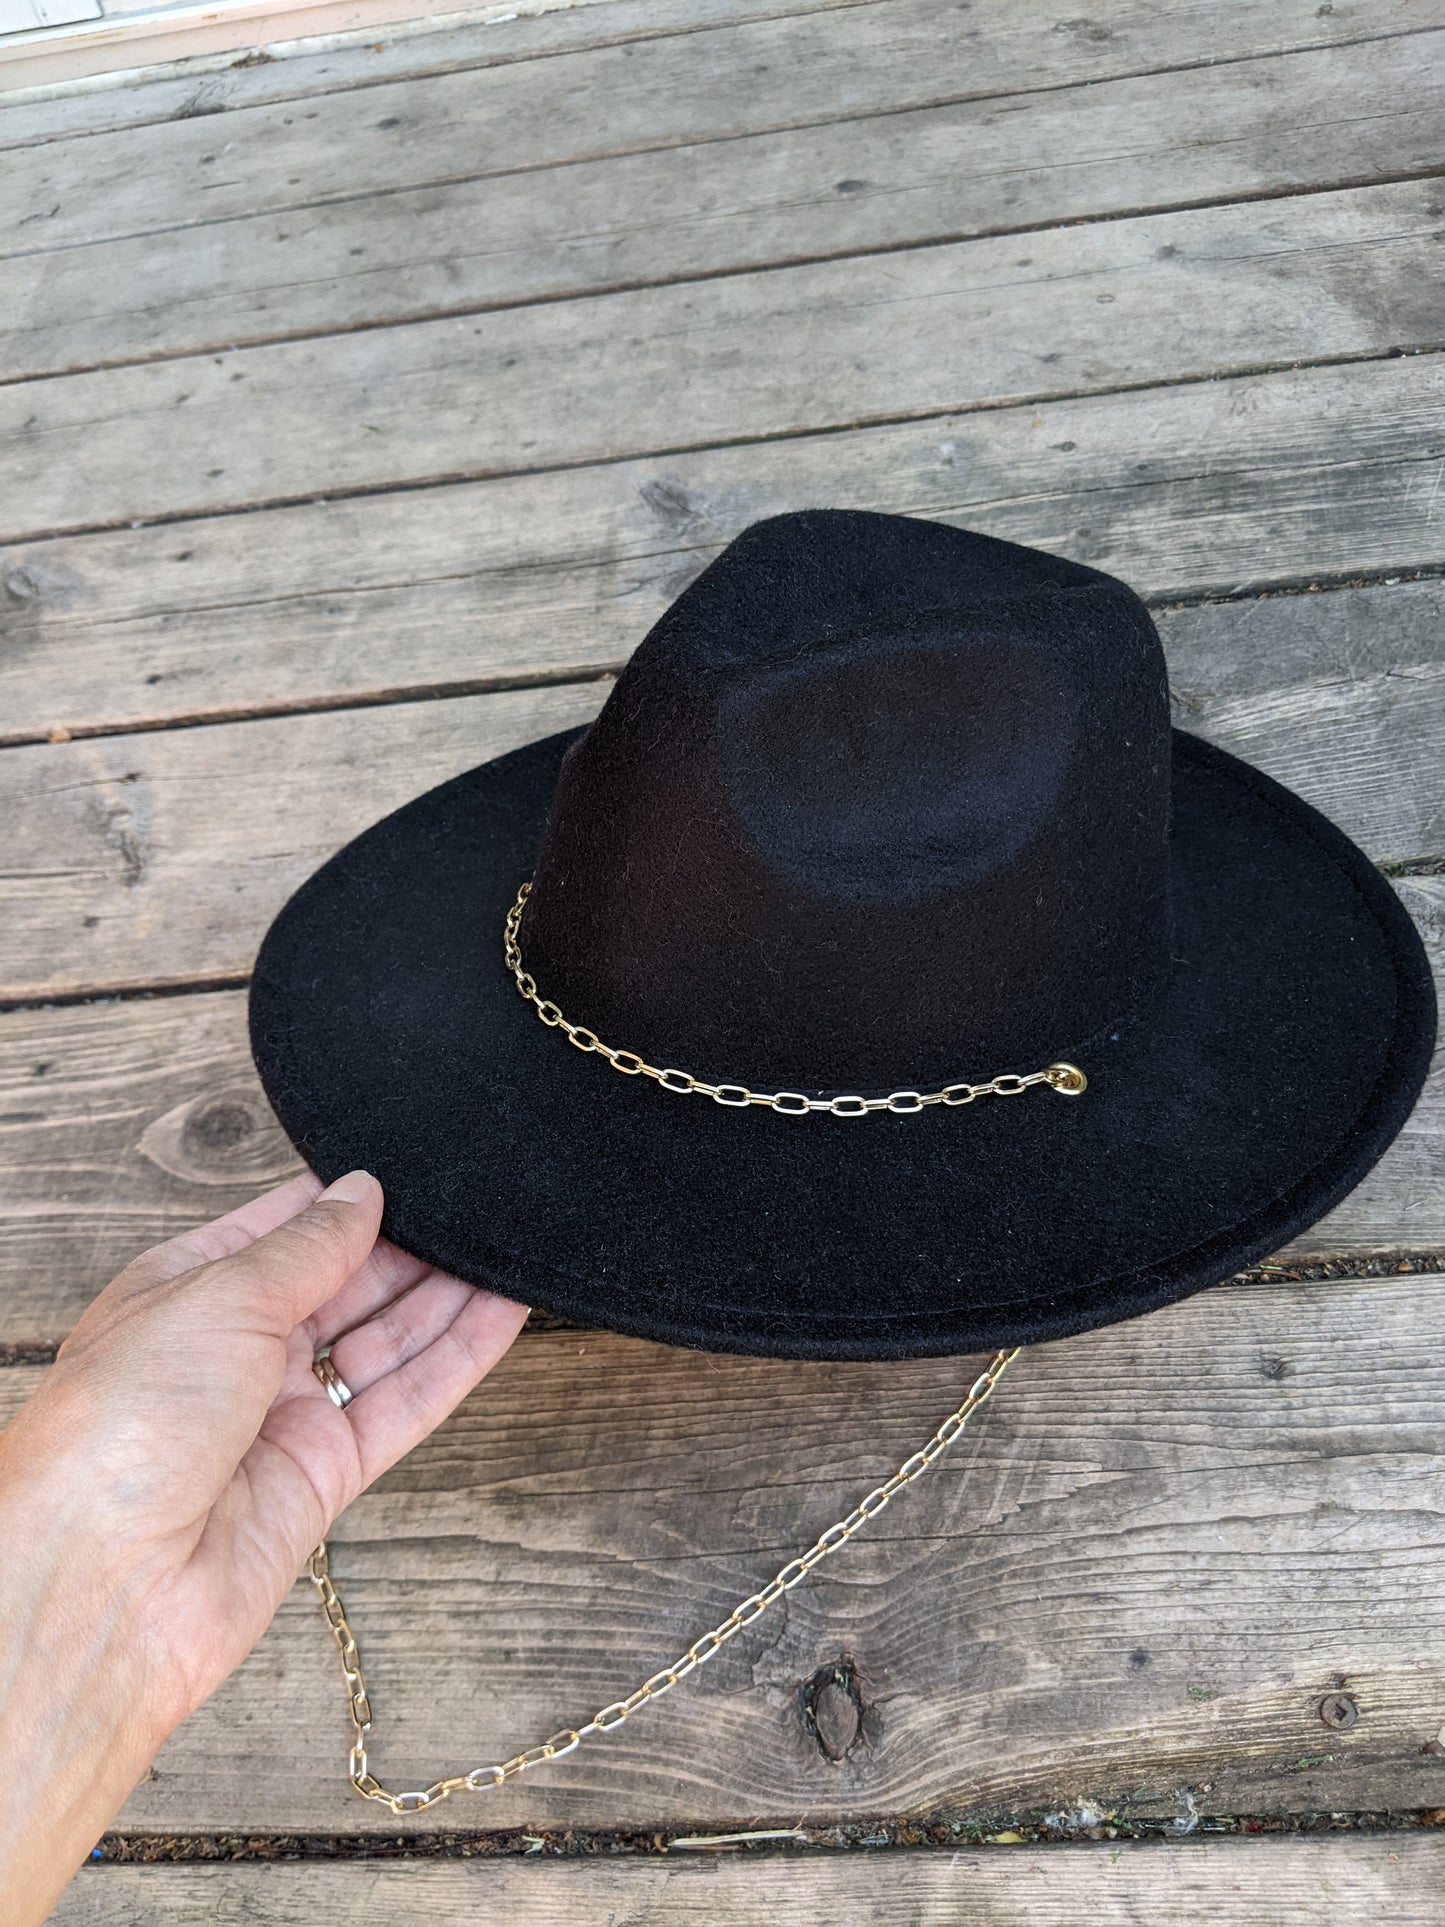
x=337, y=1389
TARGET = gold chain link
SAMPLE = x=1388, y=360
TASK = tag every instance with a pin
x=1067, y=1079
x=698, y=1654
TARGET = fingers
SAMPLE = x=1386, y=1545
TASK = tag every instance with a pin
x=292, y=1269
x=403, y=1406
x=399, y=1331
x=256, y=1217
x=204, y=1243
x=385, y=1275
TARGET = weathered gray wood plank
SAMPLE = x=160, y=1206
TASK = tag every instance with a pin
x=1205, y=488
x=673, y=90
x=1117, y=36
x=197, y=85
x=122, y=1124
x=1248, y=128
x=159, y=857
x=1301, y=686
x=164, y=855
x=1169, y=297
x=1402, y=1201
x=1353, y=1880
x=1157, y=1550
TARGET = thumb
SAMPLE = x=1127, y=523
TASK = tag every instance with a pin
x=286, y=1273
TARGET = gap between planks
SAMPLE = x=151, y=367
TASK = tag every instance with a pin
x=1320, y=1267
x=1354, y=1879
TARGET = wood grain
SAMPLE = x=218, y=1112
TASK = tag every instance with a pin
x=673, y=90
x=200, y=84
x=1353, y=1881
x=981, y=323
x=1302, y=685
x=1025, y=44
x=1157, y=1551
x=1203, y=489
x=1249, y=128
x=122, y=1124
x=164, y=856
x=158, y=858
x=184, y=89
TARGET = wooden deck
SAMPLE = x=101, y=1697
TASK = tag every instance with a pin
x=360, y=411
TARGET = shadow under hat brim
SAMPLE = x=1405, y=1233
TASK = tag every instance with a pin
x=1282, y=1057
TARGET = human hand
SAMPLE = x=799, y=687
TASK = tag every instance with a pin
x=161, y=1490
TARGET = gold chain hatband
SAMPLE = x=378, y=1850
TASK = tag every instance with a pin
x=698, y=1654
x=1067, y=1079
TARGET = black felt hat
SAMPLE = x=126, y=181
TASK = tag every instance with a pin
x=879, y=810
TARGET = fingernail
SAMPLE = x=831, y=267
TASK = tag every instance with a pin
x=351, y=1189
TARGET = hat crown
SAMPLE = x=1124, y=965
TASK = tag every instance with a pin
x=877, y=801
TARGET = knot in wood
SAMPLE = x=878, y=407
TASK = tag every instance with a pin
x=833, y=1708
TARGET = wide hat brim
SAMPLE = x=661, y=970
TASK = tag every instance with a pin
x=1283, y=1055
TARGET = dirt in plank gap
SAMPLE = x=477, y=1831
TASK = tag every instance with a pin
x=1039, y=1829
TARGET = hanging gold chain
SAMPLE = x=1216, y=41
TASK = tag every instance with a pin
x=698, y=1654
x=1067, y=1079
